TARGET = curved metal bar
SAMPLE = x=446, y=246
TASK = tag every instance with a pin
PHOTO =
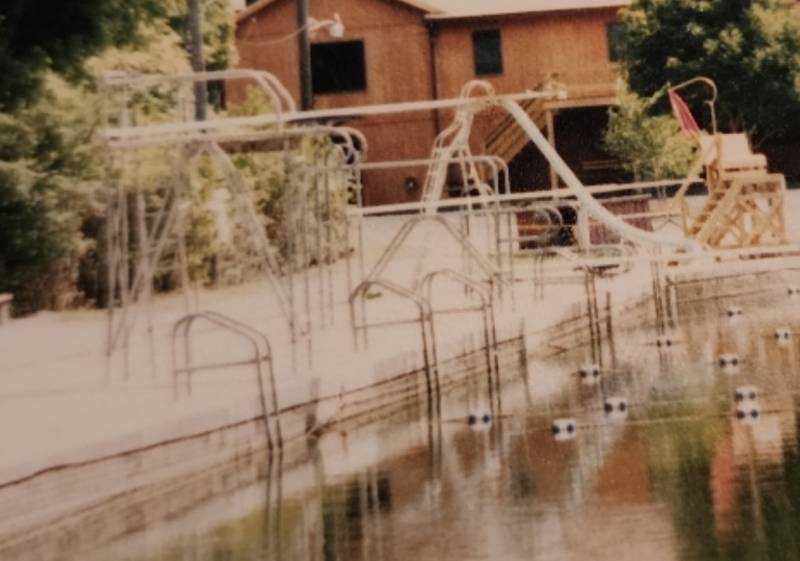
x=253, y=336
x=422, y=307
x=268, y=82
x=268, y=358
x=710, y=83
x=391, y=287
x=489, y=333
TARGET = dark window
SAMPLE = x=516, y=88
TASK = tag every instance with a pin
x=487, y=51
x=614, y=35
x=338, y=67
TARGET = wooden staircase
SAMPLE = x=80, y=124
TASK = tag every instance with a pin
x=743, y=211
x=745, y=203
x=703, y=221
x=507, y=138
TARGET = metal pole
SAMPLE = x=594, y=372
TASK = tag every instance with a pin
x=196, y=34
x=304, y=55
x=610, y=330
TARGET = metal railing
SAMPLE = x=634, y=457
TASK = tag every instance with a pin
x=262, y=354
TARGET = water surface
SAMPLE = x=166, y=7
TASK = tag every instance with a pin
x=677, y=476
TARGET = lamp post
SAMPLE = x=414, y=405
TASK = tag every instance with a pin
x=196, y=33
x=304, y=55
x=305, y=26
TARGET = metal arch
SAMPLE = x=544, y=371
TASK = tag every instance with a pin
x=183, y=327
x=423, y=307
x=390, y=286
x=452, y=144
x=283, y=101
x=549, y=212
x=350, y=133
x=710, y=83
x=487, y=315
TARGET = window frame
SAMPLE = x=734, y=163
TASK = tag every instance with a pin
x=497, y=68
x=613, y=45
x=362, y=83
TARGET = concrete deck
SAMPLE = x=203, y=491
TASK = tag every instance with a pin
x=61, y=402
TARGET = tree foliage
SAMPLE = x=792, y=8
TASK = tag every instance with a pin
x=649, y=146
x=750, y=48
x=37, y=35
x=59, y=35
x=51, y=208
x=46, y=182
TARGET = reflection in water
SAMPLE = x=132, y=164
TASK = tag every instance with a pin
x=658, y=466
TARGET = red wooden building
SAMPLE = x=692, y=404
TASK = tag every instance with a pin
x=411, y=50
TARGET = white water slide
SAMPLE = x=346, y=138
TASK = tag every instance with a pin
x=595, y=209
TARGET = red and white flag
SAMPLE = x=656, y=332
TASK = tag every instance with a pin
x=683, y=115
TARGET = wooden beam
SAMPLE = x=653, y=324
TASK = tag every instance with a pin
x=556, y=104
x=551, y=138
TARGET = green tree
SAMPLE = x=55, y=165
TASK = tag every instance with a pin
x=51, y=163
x=750, y=48
x=648, y=146
x=58, y=35
x=37, y=35
x=45, y=196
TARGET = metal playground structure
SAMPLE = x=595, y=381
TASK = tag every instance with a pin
x=158, y=162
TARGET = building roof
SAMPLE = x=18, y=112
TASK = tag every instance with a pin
x=453, y=9
x=426, y=6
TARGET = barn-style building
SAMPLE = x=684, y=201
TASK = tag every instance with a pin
x=410, y=50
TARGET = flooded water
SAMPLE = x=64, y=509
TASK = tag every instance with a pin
x=669, y=455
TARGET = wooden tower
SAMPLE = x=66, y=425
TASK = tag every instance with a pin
x=744, y=207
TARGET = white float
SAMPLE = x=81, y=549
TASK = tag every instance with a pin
x=729, y=361
x=783, y=334
x=589, y=374
x=616, y=407
x=564, y=429
x=746, y=394
x=733, y=311
x=479, y=420
x=748, y=412
x=664, y=341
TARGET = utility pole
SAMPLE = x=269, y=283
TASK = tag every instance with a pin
x=196, y=40
x=304, y=55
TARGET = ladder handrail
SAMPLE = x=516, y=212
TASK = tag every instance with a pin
x=256, y=340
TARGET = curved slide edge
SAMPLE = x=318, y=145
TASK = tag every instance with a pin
x=592, y=205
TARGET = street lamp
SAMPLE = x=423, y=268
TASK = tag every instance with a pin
x=334, y=25
x=306, y=25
